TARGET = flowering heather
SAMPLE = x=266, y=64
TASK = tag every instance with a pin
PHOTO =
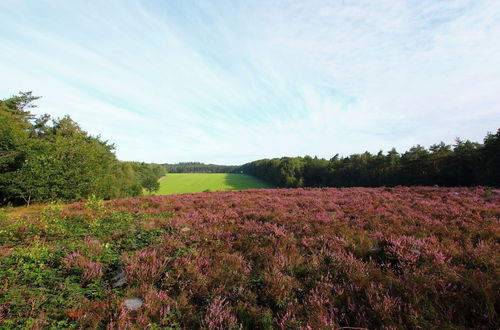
x=217, y=316
x=386, y=258
x=90, y=269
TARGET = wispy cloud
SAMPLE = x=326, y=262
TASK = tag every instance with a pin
x=229, y=81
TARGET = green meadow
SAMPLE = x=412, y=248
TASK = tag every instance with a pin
x=179, y=183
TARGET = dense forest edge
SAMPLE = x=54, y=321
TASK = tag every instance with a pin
x=198, y=167
x=47, y=159
x=464, y=163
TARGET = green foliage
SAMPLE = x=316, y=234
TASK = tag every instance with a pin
x=56, y=261
x=45, y=160
x=491, y=158
x=148, y=175
x=197, y=167
x=465, y=163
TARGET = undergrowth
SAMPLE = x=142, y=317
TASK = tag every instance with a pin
x=57, y=262
x=384, y=258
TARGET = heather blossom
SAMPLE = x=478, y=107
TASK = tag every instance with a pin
x=89, y=268
x=384, y=258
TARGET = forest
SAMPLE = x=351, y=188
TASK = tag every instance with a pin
x=198, y=167
x=464, y=163
x=46, y=159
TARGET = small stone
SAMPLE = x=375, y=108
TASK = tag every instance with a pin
x=185, y=229
x=133, y=303
x=120, y=279
x=375, y=250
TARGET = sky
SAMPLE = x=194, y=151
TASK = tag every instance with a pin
x=229, y=82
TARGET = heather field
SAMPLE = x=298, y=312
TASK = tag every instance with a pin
x=387, y=258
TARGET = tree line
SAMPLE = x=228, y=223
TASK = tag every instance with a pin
x=45, y=159
x=197, y=167
x=464, y=163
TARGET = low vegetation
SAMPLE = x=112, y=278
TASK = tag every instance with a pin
x=257, y=259
x=174, y=183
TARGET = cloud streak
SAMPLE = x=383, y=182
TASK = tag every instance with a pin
x=229, y=82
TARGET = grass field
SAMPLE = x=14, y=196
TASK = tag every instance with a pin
x=178, y=183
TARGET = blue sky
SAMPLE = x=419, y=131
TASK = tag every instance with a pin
x=233, y=81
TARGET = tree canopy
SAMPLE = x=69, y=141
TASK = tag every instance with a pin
x=464, y=163
x=43, y=159
x=197, y=167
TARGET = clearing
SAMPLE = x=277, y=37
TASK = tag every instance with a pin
x=179, y=183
